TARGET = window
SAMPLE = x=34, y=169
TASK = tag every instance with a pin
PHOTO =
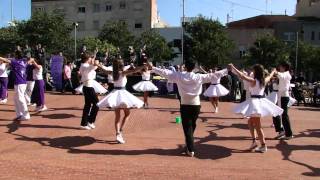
x=108, y=7
x=82, y=26
x=41, y=9
x=81, y=9
x=289, y=36
x=138, y=25
x=313, y=36
x=96, y=8
x=96, y=25
x=122, y=4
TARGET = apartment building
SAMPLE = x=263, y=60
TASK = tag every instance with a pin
x=91, y=15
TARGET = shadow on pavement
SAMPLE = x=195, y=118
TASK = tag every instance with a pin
x=287, y=149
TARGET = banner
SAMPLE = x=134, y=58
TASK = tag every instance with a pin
x=56, y=71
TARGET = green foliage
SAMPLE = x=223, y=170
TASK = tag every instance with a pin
x=48, y=29
x=92, y=43
x=268, y=51
x=156, y=46
x=117, y=34
x=208, y=43
x=9, y=38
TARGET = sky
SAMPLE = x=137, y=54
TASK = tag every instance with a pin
x=171, y=10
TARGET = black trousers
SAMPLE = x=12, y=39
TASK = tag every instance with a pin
x=189, y=116
x=110, y=87
x=284, y=120
x=67, y=83
x=90, y=109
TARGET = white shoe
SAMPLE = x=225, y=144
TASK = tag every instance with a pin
x=44, y=108
x=191, y=154
x=120, y=139
x=34, y=104
x=92, y=126
x=216, y=111
x=280, y=135
x=25, y=118
x=4, y=101
x=85, y=127
x=286, y=137
x=253, y=145
x=261, y=149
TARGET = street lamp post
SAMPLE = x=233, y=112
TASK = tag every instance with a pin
x=182, y=38
x=297, y=49
x=75, y=24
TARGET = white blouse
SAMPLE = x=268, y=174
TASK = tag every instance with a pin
x=88, y=74
x=3, y=70
x=37, y=73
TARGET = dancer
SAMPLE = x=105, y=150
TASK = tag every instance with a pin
x=216, y=90
x=120, y=99
x=38, y=96
x=18, y=67
x=88, y=74
x=145, y=86
x=30, y=83
x=257, y=106
x=284, y=77
x=3, y=82
x=190, y=87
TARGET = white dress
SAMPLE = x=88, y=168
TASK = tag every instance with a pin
x=98, y=88
x=276, y=99
x=120, y=97
x=258, y=106
x=145, y=84
x=216, y=89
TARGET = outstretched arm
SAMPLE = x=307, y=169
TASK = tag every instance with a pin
x=241, y=74
x=5, y=60
x=268, y=78
x=168, y=74
x=135, y=70
x=105, y=69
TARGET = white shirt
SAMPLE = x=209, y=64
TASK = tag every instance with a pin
x=3, y=70
x=37, y=73
x=88, y=74
x=110, y=68
x=189, y=84
x=146, y=75
x=257, y=89
x=218, y=75
x=121, y=82
x=284, y=83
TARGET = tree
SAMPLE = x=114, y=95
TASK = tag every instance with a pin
x=156, y=46
x=117, y=34
x=48, y=29
x=209, y=43
x=92, y=43
x=9, y=38
x=268, y=51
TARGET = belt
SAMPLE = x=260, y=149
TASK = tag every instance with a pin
x=258, y=96
x=145, y=80
x=215, y=84
x=119, y=88
x=275, y=91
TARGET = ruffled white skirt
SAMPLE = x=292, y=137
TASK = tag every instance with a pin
x=273, y=97
x=216, y=91
x=98, y=88
x=258, y=107
x=120, y=99
x=144, y=86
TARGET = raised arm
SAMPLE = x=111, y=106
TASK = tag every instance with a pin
x=268, y=78
x=241, y=75
x=166, y=73
x=35, y=64
x=105, y=69
x=202, y=70
x=135, y=70
x=5, y=60
x=221, y=73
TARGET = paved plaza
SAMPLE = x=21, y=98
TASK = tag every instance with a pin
x=51, y=145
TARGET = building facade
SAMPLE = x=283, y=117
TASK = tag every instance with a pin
x=91, y=15
x=308, y=8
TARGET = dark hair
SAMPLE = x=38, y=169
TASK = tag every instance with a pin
x=190, y=65
x=85, y=56
x=117, y=67
x=285, y=65
x=18, y=54
x=38, y=61
x=259, y=74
